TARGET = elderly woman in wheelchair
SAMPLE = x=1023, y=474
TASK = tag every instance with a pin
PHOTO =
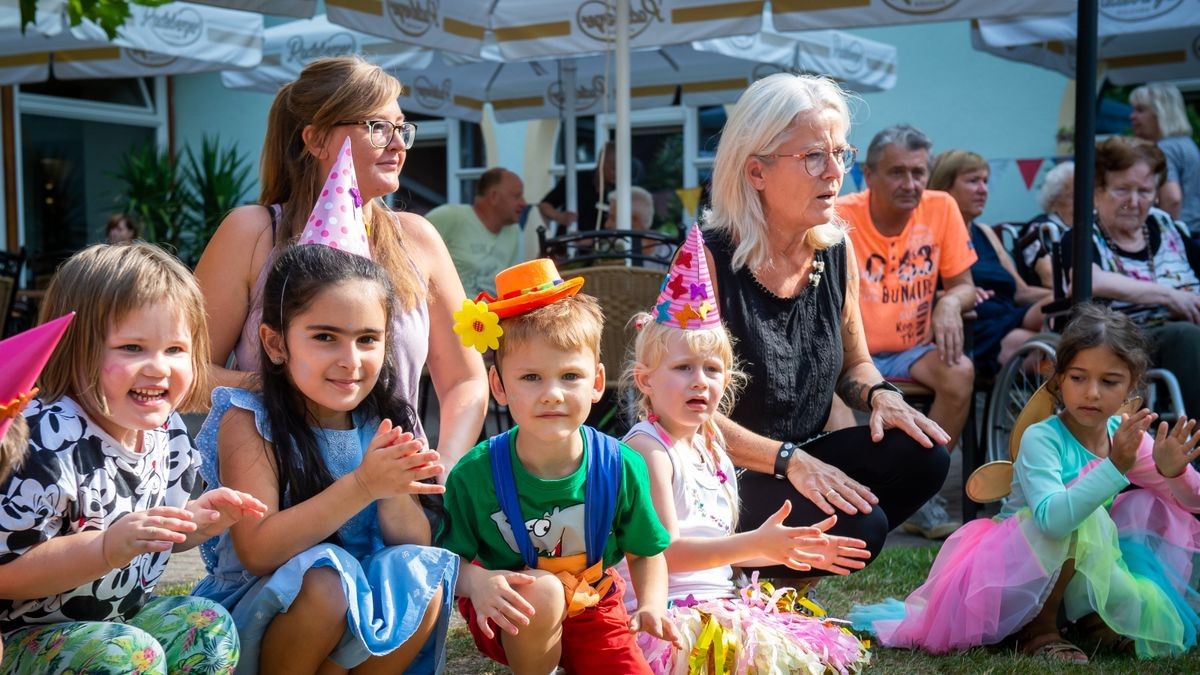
x=1146, y=266
x=1118, y=563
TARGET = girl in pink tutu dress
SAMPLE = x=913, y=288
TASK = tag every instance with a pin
x=1121, y=564
x=680, y=377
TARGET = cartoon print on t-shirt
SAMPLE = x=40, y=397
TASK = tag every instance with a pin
x=558, y=532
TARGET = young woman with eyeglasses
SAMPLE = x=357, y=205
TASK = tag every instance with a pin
x=310, y=118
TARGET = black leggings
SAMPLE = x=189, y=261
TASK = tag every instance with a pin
x=901, y=473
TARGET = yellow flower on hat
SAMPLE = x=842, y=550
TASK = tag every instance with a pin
x=477, y=327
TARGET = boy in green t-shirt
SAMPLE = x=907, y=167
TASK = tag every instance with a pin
x=582, y=497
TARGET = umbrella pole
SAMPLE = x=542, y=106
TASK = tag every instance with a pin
x=569, y=136
x=1085, y=150
x=624, y=156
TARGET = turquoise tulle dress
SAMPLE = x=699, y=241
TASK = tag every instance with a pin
x=388, y=588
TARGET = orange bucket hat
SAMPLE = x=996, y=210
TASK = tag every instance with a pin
x=519, y=289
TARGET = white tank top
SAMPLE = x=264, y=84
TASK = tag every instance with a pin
x=703, y=508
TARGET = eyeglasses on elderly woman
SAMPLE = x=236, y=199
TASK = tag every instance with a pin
x=817, y=161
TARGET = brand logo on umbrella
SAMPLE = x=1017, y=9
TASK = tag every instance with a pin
x=413, y=17
x=302, y=51
x=180, y=26
x=430, y=94
x=1136, y=10
x=920, y=6
x=149, y=59
x=850, y=54
x=585, y=95
x=597, y=19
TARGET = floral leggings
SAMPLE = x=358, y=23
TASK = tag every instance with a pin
x=183, y=634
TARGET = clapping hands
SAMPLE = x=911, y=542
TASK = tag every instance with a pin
x=396, y=463
x=1176, y=447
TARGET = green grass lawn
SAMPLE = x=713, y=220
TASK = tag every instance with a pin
x=898, y=571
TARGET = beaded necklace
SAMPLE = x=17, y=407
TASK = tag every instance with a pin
x=1117, y=251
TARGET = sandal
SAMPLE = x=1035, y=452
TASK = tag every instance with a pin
x=1054, y=647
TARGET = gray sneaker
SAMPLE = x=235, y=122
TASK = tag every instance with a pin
x=931, y=520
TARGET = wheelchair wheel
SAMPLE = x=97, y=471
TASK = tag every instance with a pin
x=1030, y=366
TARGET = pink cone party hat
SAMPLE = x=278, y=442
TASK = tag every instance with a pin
x=337, y=219
x=22, y=358
x=686, y=299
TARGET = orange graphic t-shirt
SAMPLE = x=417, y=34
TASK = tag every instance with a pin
x=899, y=275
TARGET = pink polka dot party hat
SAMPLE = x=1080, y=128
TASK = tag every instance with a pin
x=337, y=219
x=686, y=299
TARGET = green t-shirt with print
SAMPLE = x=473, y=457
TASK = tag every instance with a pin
x=476, y=528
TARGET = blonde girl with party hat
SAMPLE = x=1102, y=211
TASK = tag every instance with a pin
x=103, y=496
x=683, y=375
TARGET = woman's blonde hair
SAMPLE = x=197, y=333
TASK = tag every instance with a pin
x=329, y=91
x=1167, y=103
x=953, y=163
x=102, y=284
x=761, y=121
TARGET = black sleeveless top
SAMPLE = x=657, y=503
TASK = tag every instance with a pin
x=791, y=348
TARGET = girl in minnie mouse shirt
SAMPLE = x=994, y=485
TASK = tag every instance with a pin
x=103, y=496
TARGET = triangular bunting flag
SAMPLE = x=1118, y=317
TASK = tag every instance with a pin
x=996, y=170
x=1029, y=169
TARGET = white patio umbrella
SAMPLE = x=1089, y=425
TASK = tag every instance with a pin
x=807, y=14
x=711, y=72
x=1137, y=42
x=170, y=39
x=288, y=47
x=525, y=29
x=301, y=9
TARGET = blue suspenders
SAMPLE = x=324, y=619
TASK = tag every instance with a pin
x=603, y=483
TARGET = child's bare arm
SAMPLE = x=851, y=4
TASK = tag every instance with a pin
x=773, y=543
x=216, y=510
x=62, y=563
x=649, y=577
x=402, y=519
x=495, y=597
x=262, y=545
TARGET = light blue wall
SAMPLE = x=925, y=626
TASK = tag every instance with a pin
x=204, y=106
x=963, y=98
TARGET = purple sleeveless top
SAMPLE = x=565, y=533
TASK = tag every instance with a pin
x=410, y=335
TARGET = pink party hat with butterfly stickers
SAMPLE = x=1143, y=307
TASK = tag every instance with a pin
x=22, y=358
x=337, y=219
x=686, y=299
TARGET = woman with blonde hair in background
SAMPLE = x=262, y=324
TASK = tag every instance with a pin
x=1160, y=116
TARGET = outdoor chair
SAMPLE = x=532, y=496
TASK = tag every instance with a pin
x=622, y=292
x=610, y=247
x=11, y=265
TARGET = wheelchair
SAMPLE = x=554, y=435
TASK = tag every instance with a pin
x=1032, y=365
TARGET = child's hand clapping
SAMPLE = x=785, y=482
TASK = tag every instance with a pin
x=396, y=462
x=1176, y=448
x=151, y=531
x=654, y=621
x=216, y=510
x=1127, y=438
x=803, y=548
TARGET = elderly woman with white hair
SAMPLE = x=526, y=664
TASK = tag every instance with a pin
x=1056, y=198
x=787, y=282
x=1159, y=116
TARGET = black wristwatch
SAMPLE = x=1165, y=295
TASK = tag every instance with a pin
x=888, y=386
x=783, y=457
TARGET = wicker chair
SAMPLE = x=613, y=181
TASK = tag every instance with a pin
x=622, y=292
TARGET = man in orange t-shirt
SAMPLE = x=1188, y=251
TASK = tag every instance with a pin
x=905, y=238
